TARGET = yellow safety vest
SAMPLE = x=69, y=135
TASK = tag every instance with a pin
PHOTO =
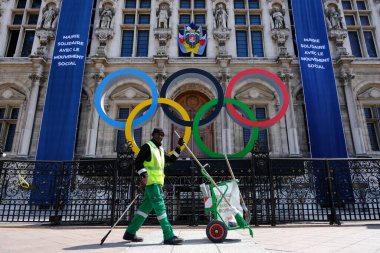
x=155, y=167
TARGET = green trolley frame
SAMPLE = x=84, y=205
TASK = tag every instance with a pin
x=217, y=229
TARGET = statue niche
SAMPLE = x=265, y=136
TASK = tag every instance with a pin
x=163, y=16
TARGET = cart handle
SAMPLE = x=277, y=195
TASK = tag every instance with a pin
x=204, y=172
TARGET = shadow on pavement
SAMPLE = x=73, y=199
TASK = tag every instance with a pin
x=207, y=241
x=373, y=226
x=98, y=246
x=126, y=244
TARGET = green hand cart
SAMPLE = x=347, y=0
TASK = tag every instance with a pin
x=223, y=200
x=227, y=211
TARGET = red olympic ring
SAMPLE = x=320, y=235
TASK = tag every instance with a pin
x=277, y=80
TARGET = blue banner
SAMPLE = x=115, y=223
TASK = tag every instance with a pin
x=324, y=120
x=60, y=116
x=61, y=109
x=321, y=97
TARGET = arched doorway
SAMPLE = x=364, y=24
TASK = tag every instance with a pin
x=192, y=101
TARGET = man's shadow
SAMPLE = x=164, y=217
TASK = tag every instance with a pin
x=127, y=244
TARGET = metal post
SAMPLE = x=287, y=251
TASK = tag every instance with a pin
x=272, y=197
x=329, y=178
x=193, y=217
x=114, y=189
x=253, y=186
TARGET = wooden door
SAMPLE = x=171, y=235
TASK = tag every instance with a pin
x=192, y=101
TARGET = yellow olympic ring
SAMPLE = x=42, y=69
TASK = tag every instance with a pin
x=139, y=107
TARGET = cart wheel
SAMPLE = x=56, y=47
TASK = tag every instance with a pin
x=216, y=231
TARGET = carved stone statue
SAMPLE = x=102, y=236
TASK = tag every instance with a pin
x=334, y=19
x=48, y=18
x=221, y=17
x=106, y=16
x=163, y=16
x=278, y=18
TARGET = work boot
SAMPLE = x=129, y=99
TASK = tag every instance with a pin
x=129, y=237
x=174, y=241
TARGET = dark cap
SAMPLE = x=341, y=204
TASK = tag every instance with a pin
x=158, y=130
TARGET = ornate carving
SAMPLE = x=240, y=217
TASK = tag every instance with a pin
x=346, y=75
x=280, y=31
x=106, y=17
x=221, y=17
x=278, y=14
x=336, y=30
x=161, y=74
x=286, y=75
x=338, y=37
x=222, y=35
x=224, y=74
x=35, y=77
x=49, y=18
x=163, y=32
x=162, y=35
x=103, y=35
x=281, y=36
x=163, y=16
x=104, y=30
x=1, y=9
x=46, y=28
x=98, y=76
x=333, y=18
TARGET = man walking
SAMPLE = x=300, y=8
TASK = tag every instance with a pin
x=150, y=163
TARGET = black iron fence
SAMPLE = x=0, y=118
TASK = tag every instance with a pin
x=275, y=190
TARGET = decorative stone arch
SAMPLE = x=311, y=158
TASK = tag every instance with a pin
x=258, y=84
x=123, y=85
x=13, y=95
x=17, y=86
x=362, y=85
x=367, y=94
x=191, y=86
x=297, y=92
x=192, y=97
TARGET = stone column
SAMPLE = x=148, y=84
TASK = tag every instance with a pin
x=160, y=75
x=32, y=105
x=291, y=127
x=224, y=77
x=92, y=132
x=356, y=131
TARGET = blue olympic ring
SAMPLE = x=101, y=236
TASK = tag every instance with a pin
x=115, y=77
x=204, y=76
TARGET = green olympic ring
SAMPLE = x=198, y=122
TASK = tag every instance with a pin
x=204, y=148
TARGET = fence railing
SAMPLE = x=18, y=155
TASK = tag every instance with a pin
x=275, y=190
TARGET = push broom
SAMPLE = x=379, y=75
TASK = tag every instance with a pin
x=239, y=219
x=129, y=206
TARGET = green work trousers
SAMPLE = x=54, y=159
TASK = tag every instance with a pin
x=152, y=200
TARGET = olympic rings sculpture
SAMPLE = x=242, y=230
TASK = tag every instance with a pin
x=135, y=120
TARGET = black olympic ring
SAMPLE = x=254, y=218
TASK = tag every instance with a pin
x=203, y=75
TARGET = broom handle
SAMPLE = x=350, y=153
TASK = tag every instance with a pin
x=229, y=167
x=233, y=177
x=210, y=178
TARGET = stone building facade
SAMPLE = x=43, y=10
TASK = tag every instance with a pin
x=143, y=34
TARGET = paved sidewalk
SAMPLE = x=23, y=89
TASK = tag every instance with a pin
x=355, y=237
